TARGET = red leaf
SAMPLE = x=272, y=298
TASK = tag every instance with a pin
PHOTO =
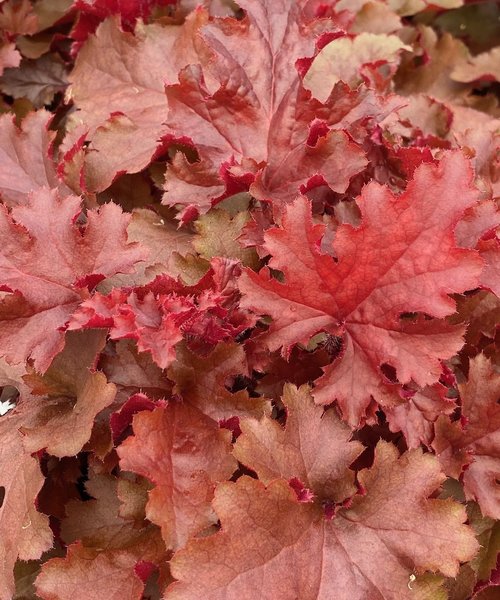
x=476, y=444
x=402, y=258
x=248, y=115
x=45, y=284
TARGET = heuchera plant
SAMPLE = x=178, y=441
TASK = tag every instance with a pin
x=250, y=280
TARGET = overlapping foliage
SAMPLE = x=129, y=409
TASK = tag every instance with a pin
x=250, y=276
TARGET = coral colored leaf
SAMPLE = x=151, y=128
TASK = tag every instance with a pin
x=25, y=164
x=313, y=447
x=476, y=444
x=25, y=532
x=402, y=258
x=48, y=286
x=17, y=17
x=279, y=548
x=185, y=454
x=490, y=252
x=92, y=574
x=246, y=112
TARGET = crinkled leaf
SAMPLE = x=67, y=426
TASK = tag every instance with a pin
x=245, y=99
x=280, y=548
x=48, y=286
x=402, y=258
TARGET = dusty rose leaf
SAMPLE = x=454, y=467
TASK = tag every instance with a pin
x=476, y=443
x=91, y=574
x=478, y=221
x=48, y=286
x=479, y=134
x=117, y=86
x=314, y=447
x=25, y=163
x=184, y=453
x=402, y=247
x=490, y=252
x=17, y=17
x=283, y=549
x=25, y=532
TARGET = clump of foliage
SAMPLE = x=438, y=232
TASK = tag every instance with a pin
x=250, y=287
